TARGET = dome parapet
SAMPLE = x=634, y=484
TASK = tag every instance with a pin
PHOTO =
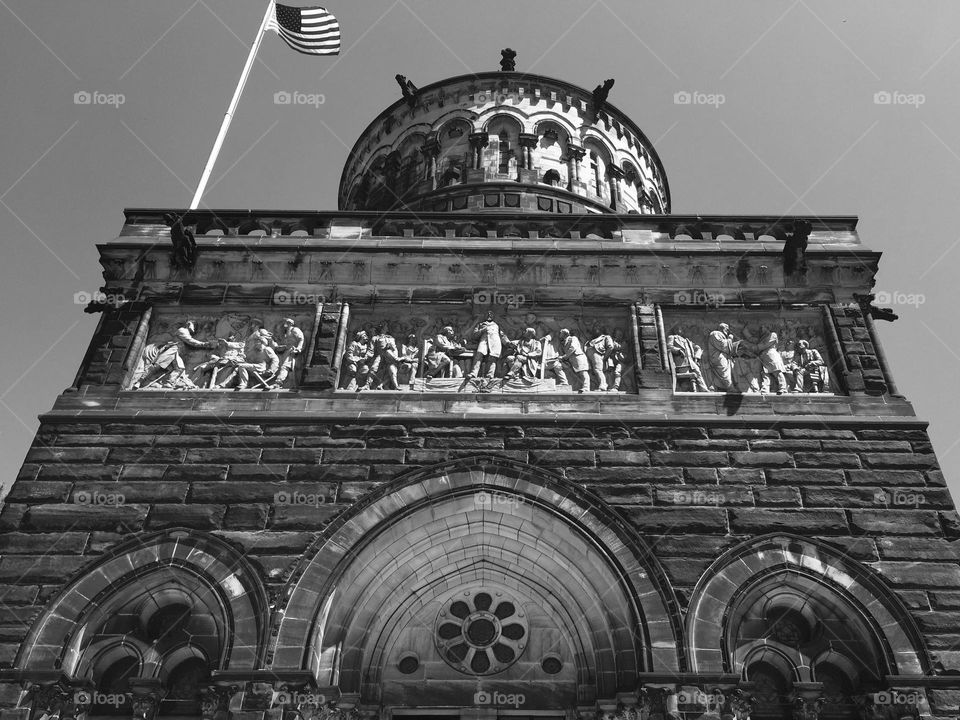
x=504, y=127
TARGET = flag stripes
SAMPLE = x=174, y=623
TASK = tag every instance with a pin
x=311, y=31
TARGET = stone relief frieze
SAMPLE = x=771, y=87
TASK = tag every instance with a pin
x=473, y=349
x=732, y=351
x=209, y=350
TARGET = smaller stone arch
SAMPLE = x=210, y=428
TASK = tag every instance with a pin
x=468, y=116
x=150, y=583
x=873, y=611
x=490, y=118
x=542, y=121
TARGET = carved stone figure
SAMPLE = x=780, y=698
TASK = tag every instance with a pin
x=489, y=347
x=355, y=361
x=552, y=363
x=184, y=243
x=616, y=359
x=291, y=345
x=163, y=362
x=383, y=368
x=808, y=369
x=259, y=360
x=223, y=363
x=508, y=60
x=773, y=368
x=409, y=360
x=524, y=361
x=598, y=350
x=439, y=357
x=686, y=359
x=600, y=93
x=721, y=350
x=572, y=352
x=408, y=89
x=795, y=248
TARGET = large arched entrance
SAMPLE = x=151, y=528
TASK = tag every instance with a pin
x=479, y=583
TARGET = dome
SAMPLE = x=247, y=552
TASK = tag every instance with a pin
x=504, y=142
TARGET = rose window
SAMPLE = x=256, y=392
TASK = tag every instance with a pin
x=481, y=632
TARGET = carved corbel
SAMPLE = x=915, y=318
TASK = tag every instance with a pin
x=68, y=700
x=738, y=705
x=215, y=701
x=145, y=697
x=807, y=700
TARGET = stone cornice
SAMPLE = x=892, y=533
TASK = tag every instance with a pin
x=278, y=223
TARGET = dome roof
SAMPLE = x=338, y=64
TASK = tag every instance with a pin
x=504, y=141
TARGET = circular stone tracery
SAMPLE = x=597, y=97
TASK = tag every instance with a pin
x=481, y=632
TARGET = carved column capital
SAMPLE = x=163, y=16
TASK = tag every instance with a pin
x=528, y=140
x=215, y=701
x=431, y=147
x=658, y=700
x=479, y=139
x=145, y=697
x=738, y=705
x=808, y=700
x=615, y=172
x=577, y=152
x=68, y=701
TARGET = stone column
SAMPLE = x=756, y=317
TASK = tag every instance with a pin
x=575, y=154
x=527, y=142
x=614, y=176
x=478, y=141
x=430, y=150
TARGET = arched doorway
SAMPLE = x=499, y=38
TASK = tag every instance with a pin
x=479, y=584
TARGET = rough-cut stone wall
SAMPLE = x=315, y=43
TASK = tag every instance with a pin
x=691, y=491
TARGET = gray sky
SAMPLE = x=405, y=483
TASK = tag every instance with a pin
x=798, y=131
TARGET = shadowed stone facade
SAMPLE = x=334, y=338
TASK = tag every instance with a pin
x=268, y=495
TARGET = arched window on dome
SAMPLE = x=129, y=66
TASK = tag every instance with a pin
x=505, y=153
x=454, y=157
x=595, y=172
x=551, y=151
x=552, y=177
x=504, y=134
x=630, y=187
x=411, y=163
x=601, y=171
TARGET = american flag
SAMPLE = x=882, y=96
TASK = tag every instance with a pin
x=312, y=30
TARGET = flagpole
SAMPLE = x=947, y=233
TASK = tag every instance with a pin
x=232, y=108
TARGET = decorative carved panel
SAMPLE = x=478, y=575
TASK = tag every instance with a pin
x=758, y=351
x=389, y=359
x=219, y=352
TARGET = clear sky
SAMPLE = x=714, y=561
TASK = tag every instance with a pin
x=800, y=129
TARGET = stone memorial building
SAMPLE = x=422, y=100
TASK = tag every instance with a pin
x=500, y=437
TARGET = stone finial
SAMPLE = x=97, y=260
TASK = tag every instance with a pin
x=508, y=60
